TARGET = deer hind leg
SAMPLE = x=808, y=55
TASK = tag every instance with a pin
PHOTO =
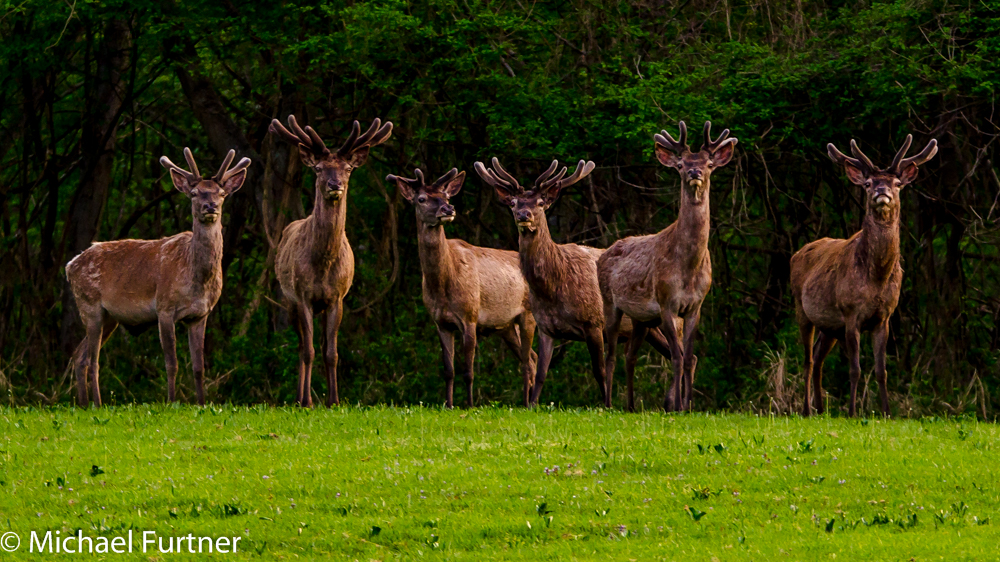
x=672, y=400
x=330, y=357
x=448, y=362
x=81, y=368
x=824, y=343
x=631, y=354
x=304, y=329
x=530, y=359
x=168, y=339
x=806, y=333
x=545, y=344
x=469, y=352
x=612, y=326
x=594, y=337
x=879, y=339
x=515, y=336
x=196, y=343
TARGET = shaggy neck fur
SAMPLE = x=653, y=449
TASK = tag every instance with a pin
x=435, y=256
x=541, y=261
x=205, y=256
x=689, y=237
x=878, y=243
x=328, y=221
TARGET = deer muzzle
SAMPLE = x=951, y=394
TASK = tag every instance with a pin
x=882, y=199
x=446, y=215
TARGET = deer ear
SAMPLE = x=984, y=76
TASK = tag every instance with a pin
x=854, y=174
x=504, y=197
x=667, y=157
x=724, y=154
x=234, y=183
x=549, y=197
x=908, y=174
x=308, y=158
x=452, y=188
x=359, y=157
x=405, y=189
x=180, y=182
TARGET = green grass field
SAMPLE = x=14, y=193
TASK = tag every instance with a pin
x=500, y=484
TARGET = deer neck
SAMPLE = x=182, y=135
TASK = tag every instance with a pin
x=689, y=237
x=435, y=256
x=205, y=255
x=541, y=261
x=878, y=249
x=328, y=221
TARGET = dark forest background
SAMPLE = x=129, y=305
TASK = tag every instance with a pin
x=93, y=93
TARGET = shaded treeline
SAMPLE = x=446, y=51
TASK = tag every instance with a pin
x=94, y=94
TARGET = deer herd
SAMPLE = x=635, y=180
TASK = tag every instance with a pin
x=643, y=288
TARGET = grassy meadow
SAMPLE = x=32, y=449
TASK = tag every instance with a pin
x=387, y=483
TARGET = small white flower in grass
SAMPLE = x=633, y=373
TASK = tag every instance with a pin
x=841, y=481
x=266, y=477
x=622, y=530
x=794, y=508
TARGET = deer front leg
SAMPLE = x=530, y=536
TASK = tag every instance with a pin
x=852, y=343
x=448, y=360
x=90, y=362
x=81, y=366
x=330, y=357
x=690, y=330
x=594, y=337
x=545, y=344
x=612, y=326
x=631, y=353
x=672, y=400
x=806, y=332
x=168, y=341
x=469, y=351
x=196, y=342
x=304, y=328
x=879, y=339
x=530, y=360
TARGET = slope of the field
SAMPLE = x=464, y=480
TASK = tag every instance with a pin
x=501, y=484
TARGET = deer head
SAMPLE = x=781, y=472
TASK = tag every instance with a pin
x=882, y=186
x=695, y=167
x=529, y=206
x=333, y=169
x=431, y=201
x=207, y=194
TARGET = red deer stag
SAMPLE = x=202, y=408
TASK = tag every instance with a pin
x=662, y=279
x=315, y=264
x=141, y=283
x=467, y=289
x=562, y=278
x=845, y=287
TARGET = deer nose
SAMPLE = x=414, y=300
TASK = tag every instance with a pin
x=694, y=173
x=210, y=207
x=446, y=210
x=522, y=216
x=333, y=185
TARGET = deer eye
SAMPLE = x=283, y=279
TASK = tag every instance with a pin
x=422, y=199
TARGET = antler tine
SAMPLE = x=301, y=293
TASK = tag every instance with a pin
x=501, y=173
x=348, y=145
x=554, y=179
x=447, y=177
x=839, y=157
x=864, y=160
x=583, y=170
x=665, y=140
x=190, y=160
x=420, y=175
x=713, y=145
x=243, y=164
x=894, y=167
x=547, y=173
x=166, y=163
x=926, y=154
x=318, y=145
x=376, y=134
x=225, y=165
x=491, y=177
x=277, y=127
x=365, y=138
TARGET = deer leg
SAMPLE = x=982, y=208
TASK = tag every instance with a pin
x=330, y=357
x=631, y=353
x=612, y=325
x=513, y=336
x=821, y=349
x=806, y=333
x=168, y=340
x=594, y=337
x=659, y=342
x=90, y=361
x=448, y=360
x=879, y=338
x=304, y=327
x=852, y=342
x=196, y=342
x=530, y=359
x=690, y=329
x=81, y=367
x=672, y=399
x=545, y=344
x=469, y=351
